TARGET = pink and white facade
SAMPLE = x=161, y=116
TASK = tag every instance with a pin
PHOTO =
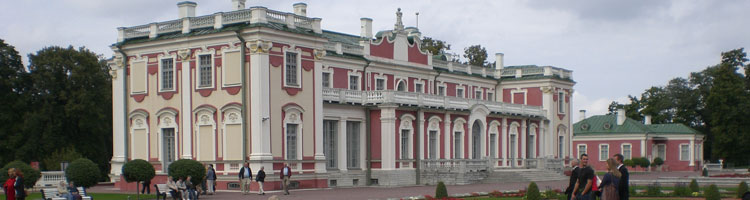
x=270, y=87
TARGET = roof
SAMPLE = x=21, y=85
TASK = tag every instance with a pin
x=232, y=27
x=607, y=124
x=333, y=36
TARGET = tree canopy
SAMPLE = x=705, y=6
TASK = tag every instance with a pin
x=476, y=55
x=435, y=46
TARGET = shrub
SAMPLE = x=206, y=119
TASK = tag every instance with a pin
x=712, y=193
x=741, y=189
x=30, y=175
x=645, y=163
x=628, y=163
x=441, y=191
x=694, y=186
x=532, y=192
x=138, y=170
x=83, y=172
x=52, y=162
x=653, y=190
x=658, y=161
x=496, y=194
x=186, y=167
x=631, y=190
x=681, y=190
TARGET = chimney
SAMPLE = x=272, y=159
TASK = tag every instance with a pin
x=300, y=9
x=238, y=4
x=499, y=61
x=647, y=120
x=620, y=116
x=582, y=114
x=366, y=28
x=187, y=9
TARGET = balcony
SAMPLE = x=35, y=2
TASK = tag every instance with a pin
x=345, y=96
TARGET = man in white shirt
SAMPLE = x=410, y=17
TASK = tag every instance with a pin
x=246, y=177
x=286, y=174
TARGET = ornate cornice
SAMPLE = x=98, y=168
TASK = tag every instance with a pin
x=319, y=53
x=259, y=46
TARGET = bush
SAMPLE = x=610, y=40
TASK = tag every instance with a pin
x=186, y=167
x=712, y=193
x=644, y=163
x=681, y=190
x=30, y=175
x=632, y=190
x=694, y=186
x=628, y=163
x=653, y=190
x=532, y=193
x=83, y=172
x=658, y=161
x=138, y=170
x=52, y=162
x=741, y=189
x=441, y=191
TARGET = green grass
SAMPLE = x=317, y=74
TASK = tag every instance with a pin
x=491, y=198
x=107, y=196
x=643, y=187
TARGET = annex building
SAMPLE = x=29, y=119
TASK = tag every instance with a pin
x=272, y=87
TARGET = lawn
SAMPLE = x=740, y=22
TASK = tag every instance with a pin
x=96, y=196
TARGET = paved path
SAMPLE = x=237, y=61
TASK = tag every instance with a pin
x=400, y=192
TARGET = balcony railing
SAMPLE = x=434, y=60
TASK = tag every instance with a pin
x=217, y=21
x=50, y=179
x=457, y=165
x=425, y=100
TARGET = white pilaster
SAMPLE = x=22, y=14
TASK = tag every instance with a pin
x=506, y=144
x=446, y=136
x=342, y=150
x=118, y=116
x=320, y=158
x=186, y=112
x=260, y=119
x=523, y=139
x=643, y=147
x=387, y=130
x=692, y=151
x=422, y=131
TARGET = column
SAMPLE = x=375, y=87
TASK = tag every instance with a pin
x=342, y=150
x=692, y=151
x=643, y=147
x=504, y=148
x=119, y=139
x=387, y=135
x=543, y=140
x=446, y=136
x=422, y=132
x=320, y=158
x=259, y=111
x=186, y=112
x=523, y=139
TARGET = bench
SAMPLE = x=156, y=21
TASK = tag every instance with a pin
x=84, y=194
x=162, y=191
x=51, y=194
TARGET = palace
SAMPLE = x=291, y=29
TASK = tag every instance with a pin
x=269, y=87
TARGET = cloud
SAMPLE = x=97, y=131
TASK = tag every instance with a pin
x=598, y=106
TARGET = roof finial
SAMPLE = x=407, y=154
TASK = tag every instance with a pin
x=399, y=24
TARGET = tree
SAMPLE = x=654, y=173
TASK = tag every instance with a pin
x=712, y=193
x=628, y=163
x=741, y=189
x=13, y=81
x=532, y=193
x=186, y=167
x=83, y=172
x=435, y=46
x=67, y=154
x=441, y=191
x=138, y=170
x=476, y=55
x=30, y=175
x=728, y=101
x=694, y=186
x=658, y=162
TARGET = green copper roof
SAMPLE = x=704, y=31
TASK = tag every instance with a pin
x=344, y=38
x=607, y=124
x=232, y=27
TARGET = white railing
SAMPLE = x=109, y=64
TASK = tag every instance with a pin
x=169, y=26
x=202, y=21
x=301, y=21
x=276, y=16
x=137, y=31
x=714, y=166
x=456, y=165
x=236, y=17
x=424, y=100
x=50, y=179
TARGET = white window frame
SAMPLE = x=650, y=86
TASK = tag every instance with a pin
x=518, y=91
x=198, y=75
x=167, y=119
x=359, y=155
x=462, y=94
x=131, y=80
x=441, y=88
x=204, y=116
x=406, y=125
x=298, y=68
x=531, y=143
x=585, y=150
x=458, y=127
x=232, y=116
x=687, y=157
x=434, y=125
x=293, y=115
x=328, y=80
x=606, y=155
x=622, y=151
x=490, y=96
x=561, y=102
x=656, y=148
x=174, y=73
x=359, y=80
x=333, y=157
x=419, y=84
x=385, y=81
x=401, y=82
x=224, y=69
x=478, y=94
x=493, y=130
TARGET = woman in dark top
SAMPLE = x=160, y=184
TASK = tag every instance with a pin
x=20, y=190
x=611, y=181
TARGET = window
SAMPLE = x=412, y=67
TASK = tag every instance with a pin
x=352, y=144
x=684, y=152
x=627, y=150
x=493, y=145
x=698, y=152
x=418, y=87
x=167, y=74
x=490, y=96
x=405, y=144
x=326, y=80
x=513, y=146
x=329, y=143
x=531, y=146
x=460, y=92
x=353, y=82
x=291, y=141
x=433, y=145
x=661, y=151
x=561, y=146
x=603, y=152
x=291, y=69
x=441, y=90
x=401, y=87
x=379, y=84
x=168, y=145
x=560, y=102
x=581, y=150
x=457, y=145
x=477, y=94
x=204, y=79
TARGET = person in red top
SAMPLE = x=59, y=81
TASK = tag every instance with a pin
x=285, y=174
x=10, y=190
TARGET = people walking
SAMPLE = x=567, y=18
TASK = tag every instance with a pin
x=246, y=177
x=573, y=177
x=9, y=186
x=285, y=175
x=210, y=179
x=260, y=178
x=146, y=187
x=585, y=180
x=624, y=188
x=18, y=186
x=611, y=181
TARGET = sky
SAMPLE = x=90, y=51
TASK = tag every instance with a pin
x=615, y=48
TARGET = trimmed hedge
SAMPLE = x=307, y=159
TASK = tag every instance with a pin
x=532, y=193
x=694, y=186
x=712, y=193
x=658, y=161
x=441, y=191
x=138, y=170
x=186, y=167
x=681, y=190
x=83, y=172
x=30, y=175
x=741, y=189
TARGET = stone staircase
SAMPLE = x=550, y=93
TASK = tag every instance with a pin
x=522, y=175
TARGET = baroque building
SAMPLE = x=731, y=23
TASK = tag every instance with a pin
x=269, y=87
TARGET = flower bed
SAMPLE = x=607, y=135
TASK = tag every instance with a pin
x=731, y=176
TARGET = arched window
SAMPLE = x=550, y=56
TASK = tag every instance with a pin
x=513, y=141
x=401, y=86
x=139, y=135
x=532, y=141
x=433, y=138
x=232, y=133
x=168, y=132
x=405, y=136
x=458, y=136
x=293, y=132
x=205, y=133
